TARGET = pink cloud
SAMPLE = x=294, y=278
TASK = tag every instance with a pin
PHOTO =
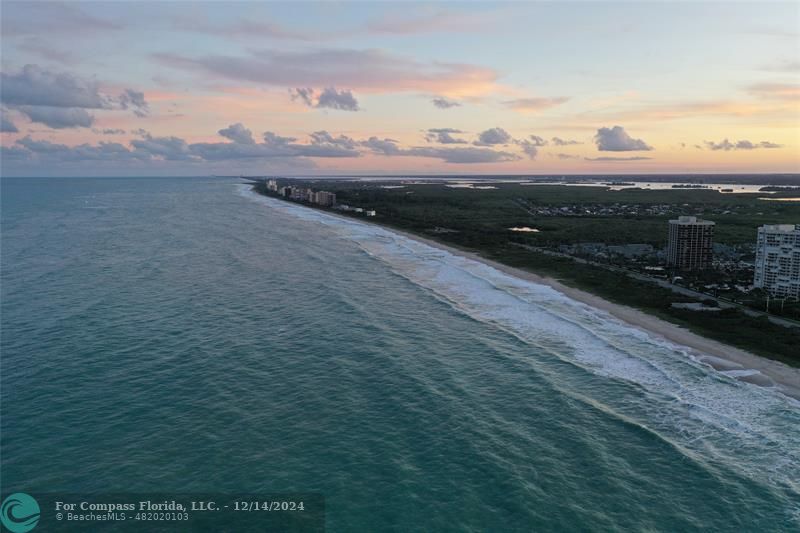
x=364, y=70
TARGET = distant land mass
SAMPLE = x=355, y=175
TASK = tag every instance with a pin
x=752, y=179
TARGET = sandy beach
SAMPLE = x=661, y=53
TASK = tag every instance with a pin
x=738, y=363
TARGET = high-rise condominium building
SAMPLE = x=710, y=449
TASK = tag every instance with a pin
x=326, y=198
x=778, y=260
x=690, y=243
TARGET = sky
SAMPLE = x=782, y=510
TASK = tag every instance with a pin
x=337, y=88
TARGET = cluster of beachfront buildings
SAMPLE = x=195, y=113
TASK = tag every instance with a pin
x=302, y=194
x=308, y=195
x=777, y=259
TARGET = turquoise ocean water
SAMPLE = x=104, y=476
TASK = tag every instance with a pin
x=186, y=335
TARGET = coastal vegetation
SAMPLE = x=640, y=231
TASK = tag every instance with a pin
x=480, y=221
x=731, y=326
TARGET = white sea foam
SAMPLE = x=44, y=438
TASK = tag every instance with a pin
x=719, y=413
x=741, y=373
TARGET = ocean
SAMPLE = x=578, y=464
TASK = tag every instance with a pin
x=187, y=335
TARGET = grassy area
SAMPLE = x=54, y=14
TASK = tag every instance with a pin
x=478, y=220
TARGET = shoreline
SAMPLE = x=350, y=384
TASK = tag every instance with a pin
x=741, y=364
x=751, y=368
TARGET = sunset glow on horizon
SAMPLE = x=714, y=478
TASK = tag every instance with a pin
x=172, y=88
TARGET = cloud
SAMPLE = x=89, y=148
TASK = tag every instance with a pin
x=134, y=100
x=57, y=117
x=109, y=131
x=323, y=138
x=564, y=142
x=774, y=31
x=635, y=158
x=14, y=153
x=35, y=86
x=462, y=155
x=776, y=91
x=344, y=100
x=48, y=18
x=444, y=136
x=393, y=24
x=439, y=21
x=444, y=103
x=537, y=141
x=567, y=156
x=770, y=104
x=247, y=29
x=389, y=147
x=238, y=134
x=167, y=148
x=322, y=150
x=784, y=66
x=532, y=105
x=62, y=153
x=493, y=136
x=329, y=98
x=274, y=139
x=368, y=70
x=40, y=146
x=768, y=144
x=304, y=94
x=234, y=151
x=6, y=125
x=36, y=46
x=726, y=145
x=320, y=144
x=61, y=100
x=616, y=139
x=382, y=146
x=531, y=146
